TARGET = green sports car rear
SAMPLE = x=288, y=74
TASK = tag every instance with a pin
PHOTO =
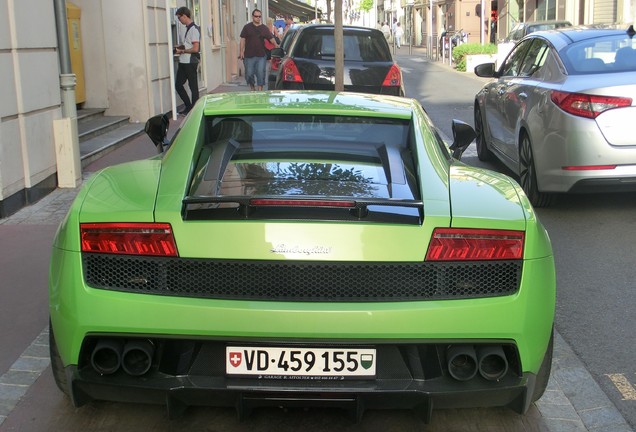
x=303, y=248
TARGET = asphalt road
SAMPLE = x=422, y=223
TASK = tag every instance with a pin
x=594, y=242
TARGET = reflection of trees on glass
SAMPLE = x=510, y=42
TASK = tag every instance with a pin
x=320, y=179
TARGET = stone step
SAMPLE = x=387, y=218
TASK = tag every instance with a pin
x=97, y=125
x=97, y=146
x=100, y=134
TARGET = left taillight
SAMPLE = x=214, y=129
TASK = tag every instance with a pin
x=464, y=244
x=290, y=72
x=275, y=64
x=393, y=78
x=155, y=239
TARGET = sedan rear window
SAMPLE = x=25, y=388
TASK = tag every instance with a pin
x=601, y=55
x=299, y=156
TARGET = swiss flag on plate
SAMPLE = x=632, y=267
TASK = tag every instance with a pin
x=235, y=358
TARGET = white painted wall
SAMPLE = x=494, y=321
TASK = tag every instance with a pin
x=31, y=100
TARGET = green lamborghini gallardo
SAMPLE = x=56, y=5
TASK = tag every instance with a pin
x=313, y=248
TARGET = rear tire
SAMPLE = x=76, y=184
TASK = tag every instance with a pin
x=543, y=376
x=528, y=175
x=483, y=153
x=56, y=363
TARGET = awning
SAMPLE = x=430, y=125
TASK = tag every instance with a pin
x=302, y=11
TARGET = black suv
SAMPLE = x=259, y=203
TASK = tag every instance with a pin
x=309, y=64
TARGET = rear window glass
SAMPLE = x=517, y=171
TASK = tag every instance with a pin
x=306, y=155
x=601, y=55
x=358, y=46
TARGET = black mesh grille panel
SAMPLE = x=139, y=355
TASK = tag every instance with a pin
x=302, y=280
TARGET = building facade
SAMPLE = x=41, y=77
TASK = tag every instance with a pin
x=125, y=66
x=492, y=20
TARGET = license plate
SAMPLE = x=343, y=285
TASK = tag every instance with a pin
x=303, y=362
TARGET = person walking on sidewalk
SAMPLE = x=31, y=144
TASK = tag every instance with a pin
x=252, y=50
x=399, y=32
x=188, y=60
x=386, y=30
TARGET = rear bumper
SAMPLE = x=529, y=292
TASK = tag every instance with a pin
x=420, y=395
x=605, y=185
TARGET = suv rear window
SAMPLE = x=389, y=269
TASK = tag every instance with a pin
x=358, y=45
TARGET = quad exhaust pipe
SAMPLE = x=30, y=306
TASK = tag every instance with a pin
x=106, y=357
x=464, y=361
x=137, y=357
x=492, y=361
x=134, y=357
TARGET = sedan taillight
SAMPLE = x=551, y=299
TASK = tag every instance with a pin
x=154, y=239
x=393, y=78
x=290, y=72
x=465, y=244
x=585, y=105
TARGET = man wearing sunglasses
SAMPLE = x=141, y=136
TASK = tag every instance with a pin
x=253, y=53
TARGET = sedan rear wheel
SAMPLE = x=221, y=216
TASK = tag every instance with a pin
x=483, y=153
x=528, y=175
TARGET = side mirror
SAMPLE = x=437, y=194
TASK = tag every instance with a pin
x=463, y=136
x=278, y=52
x=485, y=70
x=157, y=129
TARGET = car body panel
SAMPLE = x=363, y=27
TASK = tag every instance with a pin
x=516, y=104
x=452, y=195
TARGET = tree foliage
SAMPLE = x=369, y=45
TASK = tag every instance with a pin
x=366, y=5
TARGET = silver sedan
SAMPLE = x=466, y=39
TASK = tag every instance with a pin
x=560, y=112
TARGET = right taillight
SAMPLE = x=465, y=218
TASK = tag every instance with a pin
x=393, y=78
x=586, y=105
x=467, y=244
x=290, y=71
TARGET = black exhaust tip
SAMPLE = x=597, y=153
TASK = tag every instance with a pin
x=462, y=362
x=106, y=357
x=492, y=361
x=137, y=357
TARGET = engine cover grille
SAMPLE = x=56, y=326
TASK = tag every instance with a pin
x=302, y=280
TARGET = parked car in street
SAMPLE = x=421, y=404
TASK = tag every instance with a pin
x=309, y=63
x=276, y=59
x=303, y=247
x=525, y=28
x=559, y=110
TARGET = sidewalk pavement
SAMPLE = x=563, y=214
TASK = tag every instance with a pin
x=573, y=401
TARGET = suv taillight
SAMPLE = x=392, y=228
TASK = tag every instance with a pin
x=154, y=239
x=290, y=72
x=466, y=244
x=585, y=105
x=393, y=78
